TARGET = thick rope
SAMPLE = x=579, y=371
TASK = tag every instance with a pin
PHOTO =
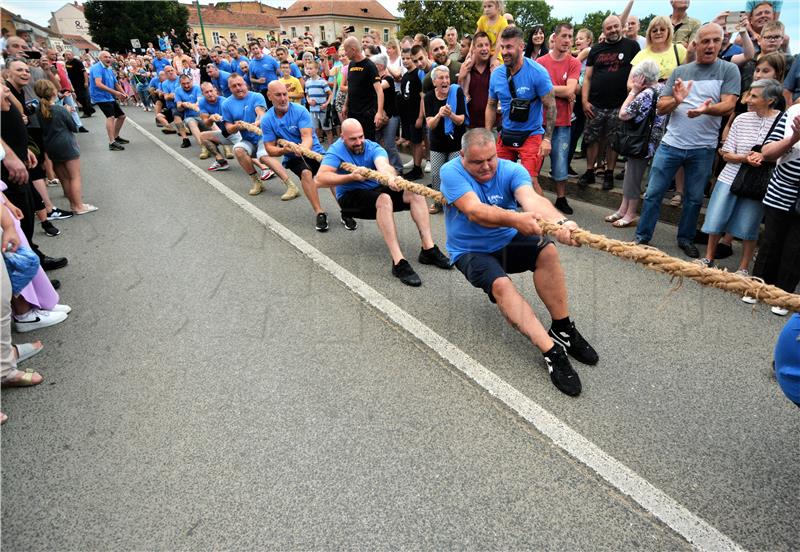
x=649, y=257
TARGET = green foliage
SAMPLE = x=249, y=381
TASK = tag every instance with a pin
x=529, y=13
x=113, y=24
x=425, y=16
x=594, y=22
x=644, y=22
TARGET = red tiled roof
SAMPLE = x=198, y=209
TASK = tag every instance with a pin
x=225, y=17
x=352, y=9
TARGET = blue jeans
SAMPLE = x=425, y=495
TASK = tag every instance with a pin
x=559, y=155
x=144, y=94
x=388, y=135
x=696, y=164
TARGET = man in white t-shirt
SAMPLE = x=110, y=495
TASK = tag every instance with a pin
x=632, y=27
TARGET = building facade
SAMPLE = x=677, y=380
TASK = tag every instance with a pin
x=70, y=20
x=326, y=20
x=240, y=21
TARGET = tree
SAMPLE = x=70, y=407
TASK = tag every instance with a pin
x=594, y=22
x=113, y=24
x=425, y=16
x=644, y=22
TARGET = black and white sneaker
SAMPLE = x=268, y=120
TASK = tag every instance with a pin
x=219, y=166
x=322, y=222
x=349, y=223
x=185, y=143
x=50, y=229
x=574, y=343
x=562, y=374
x=59, y=214
x=113, y=146
x=121, y=140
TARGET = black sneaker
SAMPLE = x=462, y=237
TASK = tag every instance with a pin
x=562, y=205
x=121, y=140
x=83, y=129
x=113, y=146
x=435, y=257
x=574, y=343
x=322, y=222
x=571, y=171
x=50, y=263
x=621, y=175
x=406, y=274
x=414, y=174
x=690, y=250
x=49, y=229
x=723, y=251
x=562, y=374
x=169, y=130
x=586, y=179
x=349, y=223
x=59, y=214
x=186, y=143
x=608, y=180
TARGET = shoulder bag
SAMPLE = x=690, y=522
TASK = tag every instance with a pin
x=632, y=139
x=518, y=112
x=751, y=182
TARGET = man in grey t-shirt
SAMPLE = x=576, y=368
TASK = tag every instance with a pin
x=697, y=96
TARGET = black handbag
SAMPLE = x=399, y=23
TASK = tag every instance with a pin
x=519, y=112
x=632, y=139
x=752, y=182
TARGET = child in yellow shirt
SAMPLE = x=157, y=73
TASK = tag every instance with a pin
x=492, y=21
x=293, y=86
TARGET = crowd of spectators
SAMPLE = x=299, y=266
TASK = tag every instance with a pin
x=700, y=100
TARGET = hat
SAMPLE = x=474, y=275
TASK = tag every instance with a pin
x=787, y=359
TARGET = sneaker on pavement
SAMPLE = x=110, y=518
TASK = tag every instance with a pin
x=575, y=345
x=185, y=143
x=66, y=309
x=113, y=146
x=266, y=175
x=571, y=171
x=708, y=263
x=83, y=129
x=121, y=140
x=53, y=182
x=59, y=214
x=169, y=130
x=434, y=256
x=409, y=165
x=563, y=206
x=50, y=229
x=749, y=300
x=586, y=179
x=349, y=222
x=414, y=174
x=690, y=250
x=322, y=222
x=406, y=274
x=608, y=180
x=427, y=166
x=217, y=166
x=36, y=319
x=779, y=311
x=743, y=272
x=562, y=374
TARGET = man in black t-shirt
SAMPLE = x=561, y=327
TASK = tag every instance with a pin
x=80, y=81
x=605, y=86
x=364, y=93
x=203, y=60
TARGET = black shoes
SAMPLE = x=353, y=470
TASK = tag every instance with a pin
x=121, y=140
x=571, y=171
x=406, y=274
x=638, y=241
x=186, y=143
x=608, y=180
x=83, y=129
x=49, y=263
x=113, y=146
x=562, y=374
x=434, y=256
x=562, y=205
x=414, y=174
x=586, y=179
x=690, y=250
x=349, y=223
x=50, y=229
x=723, y=251
x=322, y=222
x=574, y=344
x=59, y=214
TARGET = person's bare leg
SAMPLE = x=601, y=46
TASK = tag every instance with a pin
x=110, y=129
x=519, y=313
x=194, y=129
x=41, y=187
x=748, y=250
x=384, y=216
x=561, y=188
x=421, y=216
x=633, y=205
x=274, y=164
x=591, y=155
x=417, y=154
x=727, y=239
x=311, y=191
x=182, y=130
x=549, y=281
x=48, y=168
x=75, y=193
x=243, y=157
x=679, y=181
x=611, y=159
x=711, y=247
x=118, y=122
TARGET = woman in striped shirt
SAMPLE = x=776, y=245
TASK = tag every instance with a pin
x=778, y=260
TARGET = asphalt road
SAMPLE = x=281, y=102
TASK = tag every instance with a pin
x=216, y=388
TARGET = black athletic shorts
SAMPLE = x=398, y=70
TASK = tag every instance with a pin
x=412, y=133
x=361, y=203
x=110, y=109
x=518, y=255
x=299, y=164
x=168, y=114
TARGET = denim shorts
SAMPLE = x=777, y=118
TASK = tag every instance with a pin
x=730, y=213
x=559, y=154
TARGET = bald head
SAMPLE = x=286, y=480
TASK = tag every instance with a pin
x=353, y=135
x=278, y=95
x=612, y=29
x=352, y=48
x=708, y=43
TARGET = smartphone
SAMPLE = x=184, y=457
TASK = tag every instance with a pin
x=33, y=54
x=732, y=21
x=350, y=29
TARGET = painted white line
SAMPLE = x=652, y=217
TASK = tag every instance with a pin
x=691, y=527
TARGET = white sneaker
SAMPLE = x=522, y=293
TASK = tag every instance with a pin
x=36, y=319
x=408, y=166
x=779, y=311
x=62, y=308
x=427, y=166
x=749, y=300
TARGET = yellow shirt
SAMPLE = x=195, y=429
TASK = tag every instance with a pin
x=665, y=60
x=492, y=30
x=294, y=87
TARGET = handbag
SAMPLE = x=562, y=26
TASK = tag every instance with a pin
x=632, y=139
x=752, y=182
x=22, y=265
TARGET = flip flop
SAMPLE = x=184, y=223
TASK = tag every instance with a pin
x=614, y=217
x=89, y=209
x=27, y=350
x=622, y=223
x=26, y=380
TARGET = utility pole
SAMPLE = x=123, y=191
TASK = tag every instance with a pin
x=202, y=29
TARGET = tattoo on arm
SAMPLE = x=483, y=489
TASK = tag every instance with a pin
x=549, y=102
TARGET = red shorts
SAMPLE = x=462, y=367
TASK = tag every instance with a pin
x=528, y=154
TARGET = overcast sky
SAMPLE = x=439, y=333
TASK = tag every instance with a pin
x=39, y=11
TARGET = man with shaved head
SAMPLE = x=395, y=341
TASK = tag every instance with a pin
x=104, y=91
x=361, y=197
x=696, y=96
x=364, y=100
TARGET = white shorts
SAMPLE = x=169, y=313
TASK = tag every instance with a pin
x=218, y=138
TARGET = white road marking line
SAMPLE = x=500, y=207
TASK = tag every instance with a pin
x=691, y=527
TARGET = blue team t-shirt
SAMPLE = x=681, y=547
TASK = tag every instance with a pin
x=288, y=127
x=225, y=65
x=192, y=96
x=221, y=83
x=234, y=109
x=155, y=82
x=464, y=236
x=212, y=109
x=170, y=87
x=159, y=64
x=234, y=63
x=531, y=82
x=266, y=67
x=106, y=76
x=338, y=154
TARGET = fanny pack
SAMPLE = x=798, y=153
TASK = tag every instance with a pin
x=514, y=138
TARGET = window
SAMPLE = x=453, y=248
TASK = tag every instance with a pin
x=322, y=32
x=234, y=36
x=294, y=32
x=250, y=37
x=366, y=30
x=215, y=38
x=386, y=35
x=308, y=29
